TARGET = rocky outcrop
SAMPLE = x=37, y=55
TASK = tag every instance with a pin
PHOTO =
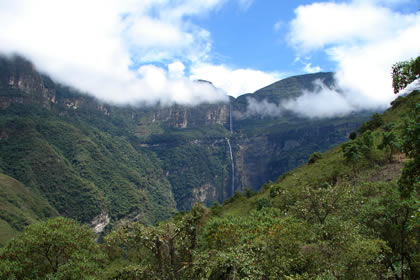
x=100, y=222
x=21, y=83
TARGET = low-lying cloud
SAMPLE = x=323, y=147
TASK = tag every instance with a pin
x=363, y=39
x=124, y=52
x=234, y=81
x=322, y=102
x=261, y=108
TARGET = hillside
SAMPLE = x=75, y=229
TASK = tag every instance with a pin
x=20, y=207
x=99, y=163
x=349, y=213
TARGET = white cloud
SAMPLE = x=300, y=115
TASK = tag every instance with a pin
x=364, y=39
x=415, y=85
x=324, y=102
x=111, y=48
x=311, y=69
x=176, y=70
x=234, y=81
x=92, y=45
x=261, y=108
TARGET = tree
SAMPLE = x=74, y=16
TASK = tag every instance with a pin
x=390, y=141
x=404, y=73
x=410, y=178
x=59, y=248
x=161, y=252
x=375, y=121
x=314, y=157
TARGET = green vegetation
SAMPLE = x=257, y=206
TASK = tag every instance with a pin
x=80, y=169
x=336, y=218
x=405, y=72
x=350, y=213
x=59, y=248
x=19, y=207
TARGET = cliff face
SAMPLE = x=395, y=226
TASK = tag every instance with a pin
x=195, y=155
x=190, y=117
x=21, y=83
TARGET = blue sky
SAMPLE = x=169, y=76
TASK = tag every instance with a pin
x=256, y=37
x=249, y=38
x=148, y=51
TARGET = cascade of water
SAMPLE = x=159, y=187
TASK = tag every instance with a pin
x=232, y=165
x=230, y=118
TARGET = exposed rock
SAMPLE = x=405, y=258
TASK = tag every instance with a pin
x=204, y=193
x=100, y=222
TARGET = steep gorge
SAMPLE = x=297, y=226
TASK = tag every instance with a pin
x=142, y=163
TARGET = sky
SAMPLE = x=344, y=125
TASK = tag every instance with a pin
x=148, y=51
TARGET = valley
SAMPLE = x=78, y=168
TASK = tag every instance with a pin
x=144, y=163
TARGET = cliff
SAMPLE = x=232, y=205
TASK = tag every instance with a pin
x=90, y=159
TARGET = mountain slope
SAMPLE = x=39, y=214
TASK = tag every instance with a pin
x=337, y=217
x=19, y=207
x=92, y=160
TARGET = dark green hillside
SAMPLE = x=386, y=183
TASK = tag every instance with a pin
x=81, y=170
x=100, y=163
x=349, y=213
x=19, y=207
x=293, y=86
x=286, y=88
x=346, y=214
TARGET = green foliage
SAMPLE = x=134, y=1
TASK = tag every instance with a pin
x=376, y=120
x=410, y=179
x=82, y=170
x=161, y=252
x=19, y=206
x=263, y=202
x=59, y=248
x=192, y=165
x=403, y=73
x=216, y=208
x=353, y=135
x=390, y=142
x=314, y=157
x=325, y=220
x=249, y=193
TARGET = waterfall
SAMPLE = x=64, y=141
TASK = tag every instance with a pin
x=232, y=165
x=230, y=118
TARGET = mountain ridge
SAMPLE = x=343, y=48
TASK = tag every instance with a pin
x=142, y=163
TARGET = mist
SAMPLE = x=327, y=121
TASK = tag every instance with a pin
x=263, y=108
x=321, y=102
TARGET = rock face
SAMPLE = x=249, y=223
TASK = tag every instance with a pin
x=100, y=222
x=189, y=143
x=21, y=83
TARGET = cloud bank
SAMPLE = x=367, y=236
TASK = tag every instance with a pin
x=364, y=39
x=125, y=52
x=322, y=102
x=234, y=81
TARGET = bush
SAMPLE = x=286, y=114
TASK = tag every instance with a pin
x=375, y=121
x=263, y=203
x=314, y=157
x=59, y=248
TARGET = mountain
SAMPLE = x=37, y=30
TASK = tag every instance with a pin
x=348, y=213
x=100, y=163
